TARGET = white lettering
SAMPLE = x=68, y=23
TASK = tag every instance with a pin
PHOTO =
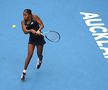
x=89, y=15
x=105, y=50
x=92, y=22
x=100, y=43
x=96, y=27
x=98, y=36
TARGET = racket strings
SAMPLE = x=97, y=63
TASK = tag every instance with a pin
x=53, y=36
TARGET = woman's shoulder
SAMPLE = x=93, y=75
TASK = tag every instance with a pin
x=22, y=21
x=34, y=16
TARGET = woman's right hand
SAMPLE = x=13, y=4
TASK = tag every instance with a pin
x=33, y=31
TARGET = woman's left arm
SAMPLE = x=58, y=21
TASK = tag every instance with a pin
x=39, y=22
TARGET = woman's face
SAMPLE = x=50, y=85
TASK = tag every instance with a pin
x=26, y=16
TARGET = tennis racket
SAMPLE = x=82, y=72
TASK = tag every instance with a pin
x=52, y=36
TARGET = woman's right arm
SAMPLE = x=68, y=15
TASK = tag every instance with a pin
x=25, y=30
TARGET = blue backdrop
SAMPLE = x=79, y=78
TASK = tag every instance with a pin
x=75, y=63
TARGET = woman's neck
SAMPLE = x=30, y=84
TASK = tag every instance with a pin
x=29, y=20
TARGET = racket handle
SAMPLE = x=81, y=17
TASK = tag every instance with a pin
x=38, y=34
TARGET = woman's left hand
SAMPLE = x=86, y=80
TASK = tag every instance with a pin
x=38, y=32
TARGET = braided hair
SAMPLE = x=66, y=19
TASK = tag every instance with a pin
x=28, y=11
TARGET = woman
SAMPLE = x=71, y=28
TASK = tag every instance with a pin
x=32, y=25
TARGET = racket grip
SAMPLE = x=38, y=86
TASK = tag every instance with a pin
x=38, y=34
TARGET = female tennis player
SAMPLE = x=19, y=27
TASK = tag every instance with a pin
x=32, y=25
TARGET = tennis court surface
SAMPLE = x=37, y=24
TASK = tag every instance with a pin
x=77, y=62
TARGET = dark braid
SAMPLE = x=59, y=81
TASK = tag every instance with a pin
x=28, y=11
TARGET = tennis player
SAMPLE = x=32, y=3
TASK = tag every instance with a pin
x=32, y=25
